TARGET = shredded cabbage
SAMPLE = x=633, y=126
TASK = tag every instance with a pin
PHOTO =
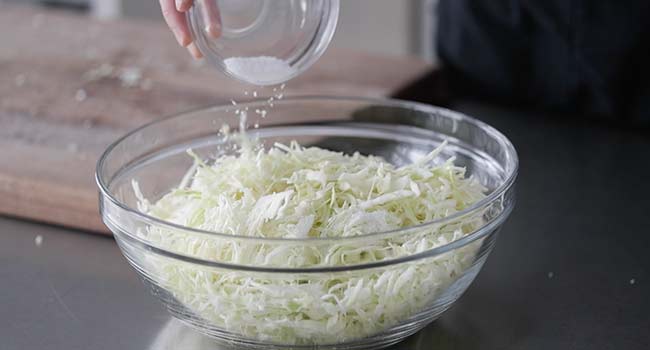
x=290, y=191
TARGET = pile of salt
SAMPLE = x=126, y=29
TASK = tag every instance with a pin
x=262, y=70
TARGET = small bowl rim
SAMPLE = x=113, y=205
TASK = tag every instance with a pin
x=511, y=154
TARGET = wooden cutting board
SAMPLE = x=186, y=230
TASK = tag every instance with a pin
x=70, y=85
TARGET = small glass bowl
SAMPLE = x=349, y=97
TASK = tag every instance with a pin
x=155, y=156
x=263, y=42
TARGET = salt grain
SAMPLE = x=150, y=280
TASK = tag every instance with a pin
x=632, y=281
x=550, y=274
x=104, y=71
x=260, y=70
x=261, y=112
x=243, y=117
x=38, y=240
x=130, y=76
x=80, y=95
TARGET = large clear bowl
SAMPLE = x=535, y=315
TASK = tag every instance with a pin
x=402, y=295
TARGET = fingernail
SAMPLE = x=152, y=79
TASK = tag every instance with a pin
x=213, y=30
x=183, y=40
x=194, y=51
x=180, y=4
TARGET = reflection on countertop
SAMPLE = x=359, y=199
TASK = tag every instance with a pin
x=174, y=334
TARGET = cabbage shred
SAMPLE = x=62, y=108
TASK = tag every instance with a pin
x=290, y=191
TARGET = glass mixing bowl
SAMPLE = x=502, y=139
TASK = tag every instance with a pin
x=370, y=305
x=263, y=42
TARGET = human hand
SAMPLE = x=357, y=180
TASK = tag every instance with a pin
x=174, y=13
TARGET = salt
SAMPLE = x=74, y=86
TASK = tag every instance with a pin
x=38, y=240
x=243, y=117
x=262, y=70
x=130, y=76
x=261, y=112
x=80, y=95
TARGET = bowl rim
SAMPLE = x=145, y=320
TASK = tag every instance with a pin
x=483, y=231
x=511, y=159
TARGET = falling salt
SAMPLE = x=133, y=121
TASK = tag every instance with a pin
x=130, y=76
x=38, y=240
x=103, y=71
x=260, y=70
x=80, y=95
x=550, y=274
x=243, y=117
x=261, y=112
x=632, y=281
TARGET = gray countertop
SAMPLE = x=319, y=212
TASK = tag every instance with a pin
x=569, y=271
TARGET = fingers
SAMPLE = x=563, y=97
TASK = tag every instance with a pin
x=176, y=22
x=183, y=5
x=174, y=13
x=194, y=51
x=211, y=18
